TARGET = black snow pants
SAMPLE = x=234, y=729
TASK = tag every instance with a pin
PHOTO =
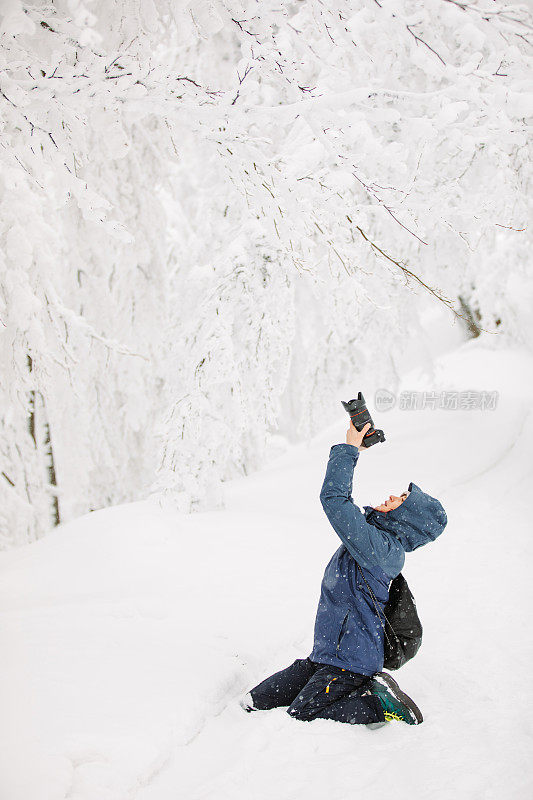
x=319, y=691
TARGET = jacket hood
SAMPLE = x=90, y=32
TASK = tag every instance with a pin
x=417, y=521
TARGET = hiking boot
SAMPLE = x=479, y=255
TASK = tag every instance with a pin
x=247, y=703
x=396, y=704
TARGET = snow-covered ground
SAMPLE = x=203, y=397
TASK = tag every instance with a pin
x=129, y=634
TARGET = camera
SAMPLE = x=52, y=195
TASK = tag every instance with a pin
x=360, y=415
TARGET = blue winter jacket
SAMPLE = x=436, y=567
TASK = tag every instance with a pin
x=348, y=632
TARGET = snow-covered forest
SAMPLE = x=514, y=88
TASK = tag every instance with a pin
x=220, y=215
x=220, y=218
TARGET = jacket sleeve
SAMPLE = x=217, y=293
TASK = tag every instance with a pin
x=367, y=544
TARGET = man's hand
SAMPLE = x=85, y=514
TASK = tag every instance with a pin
x=355, y=437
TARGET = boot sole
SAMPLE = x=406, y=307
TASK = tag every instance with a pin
x=399, y=695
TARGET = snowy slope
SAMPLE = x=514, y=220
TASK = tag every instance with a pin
x=129, y=634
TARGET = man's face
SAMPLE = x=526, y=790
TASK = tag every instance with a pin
x=392, y=502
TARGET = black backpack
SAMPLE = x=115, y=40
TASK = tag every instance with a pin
x=403, y=629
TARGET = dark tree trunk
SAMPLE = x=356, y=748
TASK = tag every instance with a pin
x=48, y=451
x=472, y=317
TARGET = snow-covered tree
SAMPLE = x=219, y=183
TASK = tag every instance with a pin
x=216, y=214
